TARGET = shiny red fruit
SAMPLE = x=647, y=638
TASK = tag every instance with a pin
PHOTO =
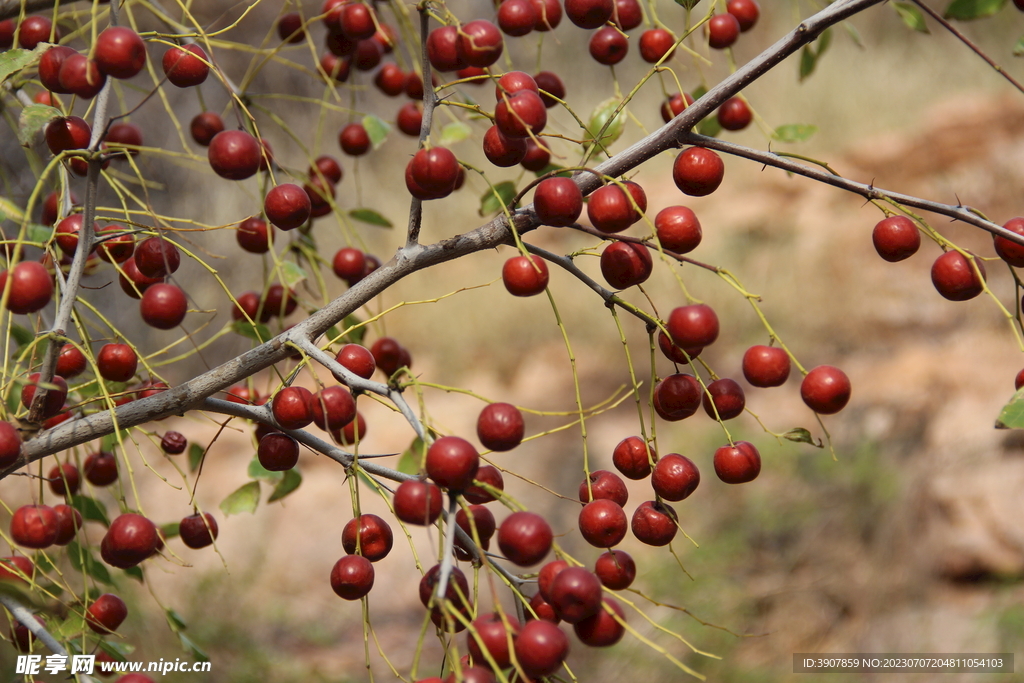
x=540, y=648
x=370, y=535
x=525, y=276
x=692, y=326
x=602, y=629
x=417, y=502
x=186, y=66
x=163, y=306
x=654, y=523
x=120, y=52
x=734, y=114
x=293, y=407
x=117, y=362
x=602, y=523
x=287, y=206
x=722, y=30
x=205, y=126
x=198, y=531
x=675, y=477
x=278, y=452
x=352, y=577
x=235, y=154
x=30, y=288
x=766, y=366
x=698, y=172
x=633, y=457
x=106, y=613
x=616, y=570
x=34, y=526
x=726, y=397
x=955, y=278
x=525, y=538
x=558, y=202
x=737, y=463
x=603, y=484
x=589, y=14
x=677, y=397
x=129, y=540
x=678, y=229
x=825, y=389
x=55, y=397
x=500, y=427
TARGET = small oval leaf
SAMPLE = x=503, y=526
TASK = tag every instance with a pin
x=599, y=120
x=291, y=481
x=377, y=128
x=243, y=499
x=456, y=131
x=495, y=199
x=370, y=216
x=911, y=16
x=292, y=274
x=965, y=10
x=794, y=132
x=32, y=120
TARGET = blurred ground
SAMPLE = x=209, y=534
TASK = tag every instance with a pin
x=911, y=540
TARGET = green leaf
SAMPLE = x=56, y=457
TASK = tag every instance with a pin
x=258, y=471
x=13, y=61
x=808, y=61
x=823, y=42
x=195, y=456
x=554, y=167
x=490, y=202
x=911, y=16
x=71, y=627
x=117, y=649
x=600, y=117
x=91, y=509
x=412, y=458
x=292, y=274
x=243, y=499
x=11, y=210
x=112, y=441
x=1012, y=415
x=854, y=34
x=135, y=573
x=32, y=120
x=21, y=335
x=794, y=132
x=687, y=4
x=370, y=216
x=709, y=126
x=170, y=530
x=175, y=620
x=377, y=128
x=82, y=561
x=191, y=648
x=456, y=131
x=289, y=483
x=39, y=234
x=1018, y=49
x=965, y=10
x=355, y=336
x=800, y=435
x=258, y=332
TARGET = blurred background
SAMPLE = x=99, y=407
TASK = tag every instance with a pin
x=910, y=540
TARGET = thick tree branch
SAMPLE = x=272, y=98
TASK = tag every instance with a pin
x=28, y=620
x=963, y=214
x=12, y=8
